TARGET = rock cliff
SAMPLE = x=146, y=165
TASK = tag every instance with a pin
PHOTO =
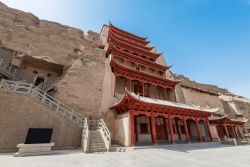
x=81, y=55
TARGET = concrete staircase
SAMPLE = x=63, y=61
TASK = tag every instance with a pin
x=95, y=134
x=96, y=143
x=42, y=97
x=96, y=137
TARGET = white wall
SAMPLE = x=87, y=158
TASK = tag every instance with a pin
x=122, y=130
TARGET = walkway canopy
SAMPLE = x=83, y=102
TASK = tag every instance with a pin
x=227, y=121
x=131, y=101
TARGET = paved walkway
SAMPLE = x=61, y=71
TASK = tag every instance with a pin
x=181, y=155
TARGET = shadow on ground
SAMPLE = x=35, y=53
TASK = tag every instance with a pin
x=184, y=147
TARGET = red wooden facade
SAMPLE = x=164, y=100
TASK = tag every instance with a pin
x=229, y=128
x=159, y=120
x=153, y=111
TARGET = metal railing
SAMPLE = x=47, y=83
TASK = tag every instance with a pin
x=105, y=133
x=85, y=136
x=11, y=71
x=44, y=98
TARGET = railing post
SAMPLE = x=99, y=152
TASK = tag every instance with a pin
x=58, y=105
x=44, y=97
x=16, y=86
x=30, y=89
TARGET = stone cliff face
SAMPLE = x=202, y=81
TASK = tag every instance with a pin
x=204, y=87
x=212, y=96
x=81, y=55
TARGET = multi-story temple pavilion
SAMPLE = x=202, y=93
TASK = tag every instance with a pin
x=145, y=95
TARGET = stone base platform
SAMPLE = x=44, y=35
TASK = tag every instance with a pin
x=34, y=149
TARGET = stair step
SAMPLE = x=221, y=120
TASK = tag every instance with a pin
x=96, y=147
x=96, y=143
x=98, y=150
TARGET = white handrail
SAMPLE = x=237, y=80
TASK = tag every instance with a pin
x=11, y=71
x=44, y=98
x=85, y=136
x=105, y=133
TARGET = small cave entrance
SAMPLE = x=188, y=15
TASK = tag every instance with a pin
x=39, y=80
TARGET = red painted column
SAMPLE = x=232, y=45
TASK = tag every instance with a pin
x=132, y=128
x=153, y=130
x=166, y=129
x=208, y=130
x=198, y=129
x=171, y=130
x=154, y=92
x=186, y=130
x=178, y=130
x=165, y=93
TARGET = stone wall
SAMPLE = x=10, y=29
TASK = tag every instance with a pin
x=21, y=112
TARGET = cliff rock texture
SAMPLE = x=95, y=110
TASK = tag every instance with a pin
x=212, y=96
x=82, y=56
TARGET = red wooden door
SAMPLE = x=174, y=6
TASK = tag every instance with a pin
x=160, y=129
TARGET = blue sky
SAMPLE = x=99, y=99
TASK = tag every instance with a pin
x=205, y=40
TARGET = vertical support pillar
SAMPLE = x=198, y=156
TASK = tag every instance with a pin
x=186, y=130
x=171, y=130
x=166, y=129
x=244, y=132
x=235, y=136
x=153, y=130
x=174, y=95
x=208, y=130
x=132, y=128
x=165, y=93
x=225, y=126
x=154, y=92
x=238, y=129
x=114, y=85
x=178, y=130
x=198, y=129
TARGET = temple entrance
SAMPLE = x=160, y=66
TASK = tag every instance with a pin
x=160, y=129
x=142, y=130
